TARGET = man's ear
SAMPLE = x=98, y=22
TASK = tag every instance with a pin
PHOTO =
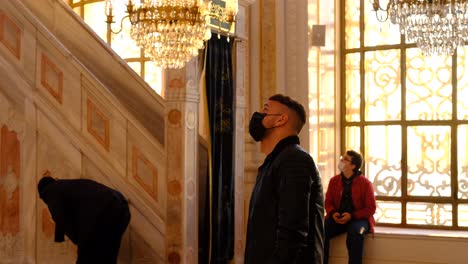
x=284, y=118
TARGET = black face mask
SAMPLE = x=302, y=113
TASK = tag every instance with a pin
x=256, y=128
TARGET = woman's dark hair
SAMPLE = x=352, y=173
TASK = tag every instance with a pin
x=356, y=159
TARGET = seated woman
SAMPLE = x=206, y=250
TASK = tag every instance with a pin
x=350, y=206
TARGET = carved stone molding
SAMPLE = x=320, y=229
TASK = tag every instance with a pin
x=10, y=182
x=10, y=35
x=52, y=78
x=145, y=173
x=11, y=246
x=11, y=117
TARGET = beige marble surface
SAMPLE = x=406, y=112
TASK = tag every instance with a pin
x=65, y=120
x=77, y=117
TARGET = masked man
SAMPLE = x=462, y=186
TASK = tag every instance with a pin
x=285, y=223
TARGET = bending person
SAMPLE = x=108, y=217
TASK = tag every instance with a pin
x=92, y=215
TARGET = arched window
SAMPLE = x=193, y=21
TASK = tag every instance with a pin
x=408, y=115
x=93, y=13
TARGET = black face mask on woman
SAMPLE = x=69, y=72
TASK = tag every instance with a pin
x=256, y=128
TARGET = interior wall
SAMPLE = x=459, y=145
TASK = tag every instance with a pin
x=270, y=46
x=55, y=115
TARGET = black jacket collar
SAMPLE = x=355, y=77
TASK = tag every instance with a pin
x=291, y=140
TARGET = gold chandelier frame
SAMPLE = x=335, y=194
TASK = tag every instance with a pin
x=173, y=33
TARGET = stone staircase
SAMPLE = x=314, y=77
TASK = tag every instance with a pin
x=70, y=105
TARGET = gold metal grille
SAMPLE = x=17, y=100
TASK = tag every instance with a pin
x=406, y=114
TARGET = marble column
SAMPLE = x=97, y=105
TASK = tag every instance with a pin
x=241, y=82
x=182, y=98
x=294, y=75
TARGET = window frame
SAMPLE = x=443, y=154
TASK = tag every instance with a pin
x=453, y=123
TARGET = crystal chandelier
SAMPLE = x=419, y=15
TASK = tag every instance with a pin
x=172, y=31
x=437, y=27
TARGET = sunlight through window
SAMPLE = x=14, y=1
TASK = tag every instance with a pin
x=93, y=14
x=408, y=115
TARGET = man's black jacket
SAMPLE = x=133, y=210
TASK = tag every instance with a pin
x=285, y=223
x=78, y=206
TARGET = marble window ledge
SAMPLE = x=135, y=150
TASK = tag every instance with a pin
x=397, y=232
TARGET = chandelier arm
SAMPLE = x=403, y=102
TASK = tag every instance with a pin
x=377, y=7
x=110, y=21
x=381, y=18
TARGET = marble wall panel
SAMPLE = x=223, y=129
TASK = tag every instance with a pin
x=11, y=238
x=147, y=169
x=62, y=149
x=145, y=230
x=10, y=35
x=54, y=156
x=145, y=173
x=58, y=79
x=142, y=252
x=9, y=181
x=16, y=203
x=58, y=112
x=104, y=125
x=17, y=40
x=92, y=171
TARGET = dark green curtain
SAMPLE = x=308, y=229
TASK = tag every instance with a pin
x=220, y=100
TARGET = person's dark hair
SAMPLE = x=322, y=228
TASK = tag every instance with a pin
x=43, y=183
x=356, y=159
x=293, y=105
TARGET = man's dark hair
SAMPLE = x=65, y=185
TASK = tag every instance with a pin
x=356, y=159
x=293, y=105
x=43, y=183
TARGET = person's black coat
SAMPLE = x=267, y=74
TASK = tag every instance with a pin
x=285, y=223
x=78, y=206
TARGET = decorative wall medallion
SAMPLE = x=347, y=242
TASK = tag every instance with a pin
x=174, y=188
x=240, y=123
x=10, y=35
x=51, y=78
x=190, y=189
x=98, y=124
x=176, y=83
x=191, y=85
x=174, y=116
x=145, y=173
x=190, y=120
x=15, y=122
x=11, y=246
x=10, y=182
x=173, y=258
